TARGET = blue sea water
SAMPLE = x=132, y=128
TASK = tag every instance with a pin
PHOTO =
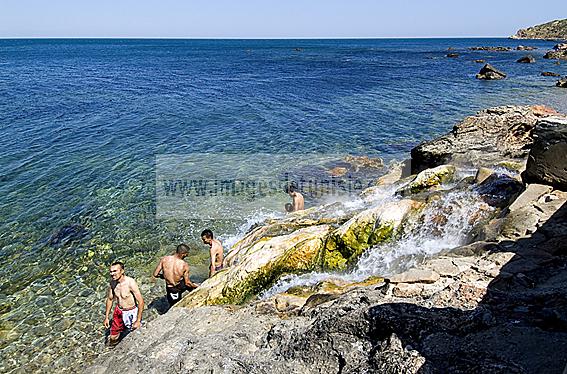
x=82, y=122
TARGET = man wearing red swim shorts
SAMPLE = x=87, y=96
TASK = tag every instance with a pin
x=129, y=303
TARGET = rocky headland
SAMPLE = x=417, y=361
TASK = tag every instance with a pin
x=551, y=30
x=484, y=288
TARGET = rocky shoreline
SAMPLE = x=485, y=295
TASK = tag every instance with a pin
x=553, y=30
x=496, y=303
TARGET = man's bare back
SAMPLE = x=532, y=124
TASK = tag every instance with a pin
x=173, y=269
x=298, y=201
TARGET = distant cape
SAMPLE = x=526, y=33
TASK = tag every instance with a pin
x=551, y=30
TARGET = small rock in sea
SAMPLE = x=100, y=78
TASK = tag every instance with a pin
x=560, y=47
x=494, y=49
x=479, y=61
x=550, y=74
x=450, y=49
x=529, y=59
x=560, y=54
x=489, y=72
x=525, y=48
x=298, y=49
x=562, y=82
x=453, y=55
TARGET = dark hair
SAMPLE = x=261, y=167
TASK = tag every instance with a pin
x=182, y=249
x=288, y=207
x=118, y=263
x=290, y=188
x=207, y=234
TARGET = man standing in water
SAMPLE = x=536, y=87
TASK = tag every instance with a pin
x=175, y=271
x=216, y=251
x=129, y=303
x=298, y=203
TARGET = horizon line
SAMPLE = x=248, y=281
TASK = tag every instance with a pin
x=256, y=38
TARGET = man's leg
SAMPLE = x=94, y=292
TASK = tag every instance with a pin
x=116, y=327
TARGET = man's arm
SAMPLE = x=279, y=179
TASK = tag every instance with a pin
x=138, y=296
x=109, y=299
x=158, y=269
x=188, y=282
x=212, y=252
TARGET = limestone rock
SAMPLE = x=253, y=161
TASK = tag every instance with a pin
x=260, y=265
x=491, y=136
x=481, y=174
x=529, y=59
x=562, y=83
x=489, y=72
x=366, y=229
x=550, y=74
x=531, y=195
x=415, y=276
x=547, y=163
x=525, y=48
x=427, y=179
x=452, y=55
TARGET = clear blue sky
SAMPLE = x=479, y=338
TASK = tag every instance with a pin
x=271, y=18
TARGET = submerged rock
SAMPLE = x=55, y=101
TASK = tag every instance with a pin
x=489, y=72
x=547, y=161
x=550, y=74
x=489, y=137
x=492, y=49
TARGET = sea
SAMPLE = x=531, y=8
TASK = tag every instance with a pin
x=103, y=143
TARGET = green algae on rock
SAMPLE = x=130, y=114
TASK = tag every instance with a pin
x=260, y=265
x=364, y=230
x=427, y=179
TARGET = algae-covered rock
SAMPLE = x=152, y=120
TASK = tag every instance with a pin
x=260, y=265
x=364, y=230
x=427, y=179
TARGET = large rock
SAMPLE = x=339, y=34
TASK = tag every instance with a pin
x=427, y=179
x=489, y=72
x=490, y=136
x=364, y=230
x=547, y=161
x=260, y=265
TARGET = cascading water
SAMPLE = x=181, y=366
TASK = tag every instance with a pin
x=444, y=224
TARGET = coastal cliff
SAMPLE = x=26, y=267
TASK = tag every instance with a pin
x=551, y=30
x=483, y=290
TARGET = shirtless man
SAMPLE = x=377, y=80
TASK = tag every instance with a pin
x=216, y=251
x=129, y=303
x=298, y=203
x=175, y=271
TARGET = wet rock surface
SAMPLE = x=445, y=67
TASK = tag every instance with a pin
x=491, y=136
x=495, y=305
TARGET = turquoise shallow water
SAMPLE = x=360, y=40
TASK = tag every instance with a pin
x=84, y=123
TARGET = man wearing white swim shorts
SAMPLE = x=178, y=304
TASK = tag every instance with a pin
x=127, y=314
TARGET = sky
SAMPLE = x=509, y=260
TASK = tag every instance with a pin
x=272, y=18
